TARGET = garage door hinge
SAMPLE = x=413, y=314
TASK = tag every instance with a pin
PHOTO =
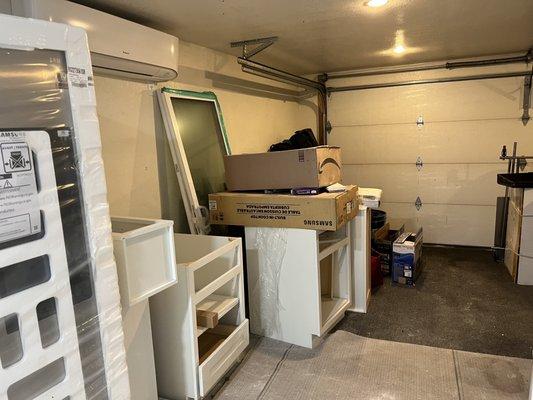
x=420, y=122
x=419, y=163
x=329, y=128
x=418, y=203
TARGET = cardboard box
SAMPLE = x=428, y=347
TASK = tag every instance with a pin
x=314, y=167
x=326, y=211
x=407, y=258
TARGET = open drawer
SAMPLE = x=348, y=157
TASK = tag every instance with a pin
x=144, y=252
x=218, y=349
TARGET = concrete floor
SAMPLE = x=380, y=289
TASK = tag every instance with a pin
x=463, y=300
x=345, y=366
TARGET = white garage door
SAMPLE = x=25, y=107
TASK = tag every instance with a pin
x=465, y=126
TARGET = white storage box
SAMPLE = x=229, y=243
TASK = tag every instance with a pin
x=191, y=358
x=144, y=252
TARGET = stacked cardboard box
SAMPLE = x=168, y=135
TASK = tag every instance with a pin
x=311, y=168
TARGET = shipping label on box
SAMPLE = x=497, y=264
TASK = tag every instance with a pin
x=326, y=211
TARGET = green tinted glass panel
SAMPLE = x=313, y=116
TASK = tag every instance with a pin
x=199, y=129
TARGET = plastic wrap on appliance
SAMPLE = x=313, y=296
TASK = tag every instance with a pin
x=271, y=246
x=60, y=319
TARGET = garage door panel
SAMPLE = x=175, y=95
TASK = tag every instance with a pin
x=398, y=182
x=440, y=142
x=459, y=225
x=472, y=100
x=447, y=224
x=472, y=141
x=466, y=124
x=402, y=211
x=377, y=144
x=473, y=184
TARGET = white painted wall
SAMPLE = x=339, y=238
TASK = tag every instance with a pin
x=466, y=125
x=141, y=181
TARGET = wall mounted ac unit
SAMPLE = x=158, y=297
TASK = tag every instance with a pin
x=118, y=46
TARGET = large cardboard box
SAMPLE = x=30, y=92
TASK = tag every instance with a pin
x=326, y=211
x=313, y=167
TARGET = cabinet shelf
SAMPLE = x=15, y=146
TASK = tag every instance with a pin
x=333, y=309
x=218, y=304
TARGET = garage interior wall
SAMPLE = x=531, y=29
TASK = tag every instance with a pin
x=141, y=179
x=465, y=126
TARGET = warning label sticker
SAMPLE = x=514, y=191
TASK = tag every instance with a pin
x=19, y=204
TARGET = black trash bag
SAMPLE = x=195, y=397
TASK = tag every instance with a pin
x=300, y=140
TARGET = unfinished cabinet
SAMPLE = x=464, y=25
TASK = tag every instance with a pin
x=146, y=265
x=199, y=325
x=144, y=252
x=298, y=281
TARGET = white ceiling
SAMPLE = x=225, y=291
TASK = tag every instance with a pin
x=334, y=35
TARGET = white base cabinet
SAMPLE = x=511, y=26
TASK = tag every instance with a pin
x=361, y=239
x=298, y=281
x=190, y=358
x=146, y=265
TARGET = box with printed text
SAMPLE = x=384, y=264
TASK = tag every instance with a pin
x=326, y=211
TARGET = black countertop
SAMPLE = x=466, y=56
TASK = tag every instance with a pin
x=524, y=180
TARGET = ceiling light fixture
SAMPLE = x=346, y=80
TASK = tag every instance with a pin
x=399, y=49
x=376, y=3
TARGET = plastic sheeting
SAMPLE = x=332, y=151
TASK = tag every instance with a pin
x=60, y=321
x=264, y=314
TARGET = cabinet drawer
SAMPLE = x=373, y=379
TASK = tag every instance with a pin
x=220, y=360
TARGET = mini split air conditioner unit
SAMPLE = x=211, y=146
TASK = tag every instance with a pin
x=118, y=47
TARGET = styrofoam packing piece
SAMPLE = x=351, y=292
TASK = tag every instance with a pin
x=32, y=34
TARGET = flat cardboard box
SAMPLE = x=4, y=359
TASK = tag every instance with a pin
x=326, y=211
x=314, y=167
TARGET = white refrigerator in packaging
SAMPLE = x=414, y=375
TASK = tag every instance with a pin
x=60, y=322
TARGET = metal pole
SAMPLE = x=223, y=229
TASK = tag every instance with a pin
x=526, y=58
x=513, y=162
x=288, y=77
x=427, y=81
